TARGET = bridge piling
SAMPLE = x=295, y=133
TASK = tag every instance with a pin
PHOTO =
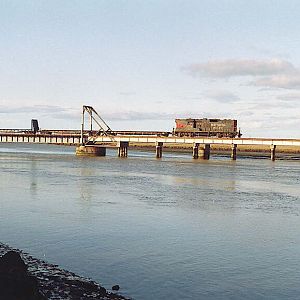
x=195, y=150
x=204, y=151
x=159, y=147
x=122, y=149
x=233, y=151
x=273, y=152
x=90, y=151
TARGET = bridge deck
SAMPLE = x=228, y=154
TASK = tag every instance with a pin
x=72, y=137
x=58, y=139
x=96, y=145
x=195, y=140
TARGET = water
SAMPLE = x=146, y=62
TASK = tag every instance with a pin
x=174, y=228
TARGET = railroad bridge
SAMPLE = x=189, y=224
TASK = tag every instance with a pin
x=95, y=142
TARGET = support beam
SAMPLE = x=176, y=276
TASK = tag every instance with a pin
x=90, y=151
x=195, y=150
x=204, y=151
x=159, y=147
x=122, y=149
x=273, y=152
x=82, y=128
x=91, y=122
x=233, y=151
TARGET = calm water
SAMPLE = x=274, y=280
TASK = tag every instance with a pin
x=162, y=229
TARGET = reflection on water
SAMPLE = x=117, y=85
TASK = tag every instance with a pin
x=174, y=228
x=86, y=190
x=33, y=177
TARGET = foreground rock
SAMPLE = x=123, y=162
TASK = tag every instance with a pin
x=23, y=277
x=15, y=282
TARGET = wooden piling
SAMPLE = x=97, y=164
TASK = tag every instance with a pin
x=273, y=152
x=159, y=147
x=233, y=151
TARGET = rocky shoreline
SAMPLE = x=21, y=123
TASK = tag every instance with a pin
x=50, y=281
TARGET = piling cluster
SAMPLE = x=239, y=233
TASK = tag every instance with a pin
x=199, y=151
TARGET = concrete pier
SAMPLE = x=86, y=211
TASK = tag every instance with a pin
x=233, y=151
x=122, y=149
x=195, y=150
x=159, y=147
x=90, y=151
x=204, y=151
x=273, y=152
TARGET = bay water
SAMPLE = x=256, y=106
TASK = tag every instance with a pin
x=170, y=228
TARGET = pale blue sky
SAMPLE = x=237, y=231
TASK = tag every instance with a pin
x=143, y=63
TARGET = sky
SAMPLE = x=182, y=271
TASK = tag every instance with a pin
x=141, y=64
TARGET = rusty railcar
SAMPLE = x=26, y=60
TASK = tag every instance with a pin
x=206, y=127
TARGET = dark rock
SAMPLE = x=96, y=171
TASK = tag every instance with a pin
x=11, y=262
x=87, y=286
x=15, y=283
x=51, y=281
x=115, y=287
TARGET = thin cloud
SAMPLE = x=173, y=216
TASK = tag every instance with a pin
x=267, y=74
x=136, y=116
x=67, y=116
x=222, y=96
x=127, y=93
x=289, y=97
x=140, y=116
x=280, y=122
x=240, y=67
x=267, y=105
x=31, y=109
x=245, y=113
x=56, y=112
x=291, y=82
